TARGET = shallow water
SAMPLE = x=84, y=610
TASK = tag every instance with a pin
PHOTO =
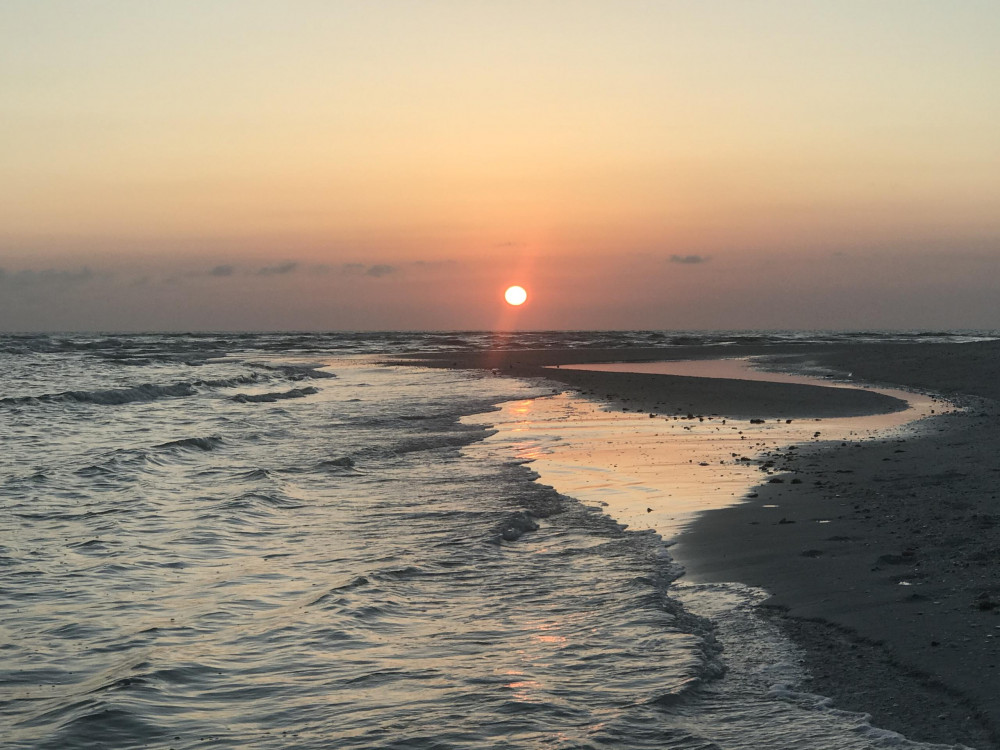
x=657, y=471
x=270, y=541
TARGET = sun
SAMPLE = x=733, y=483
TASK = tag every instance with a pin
x=515, y=295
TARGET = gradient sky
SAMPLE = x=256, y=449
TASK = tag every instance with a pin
x=331, y=165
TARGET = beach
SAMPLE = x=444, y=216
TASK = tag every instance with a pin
x=894, y=599
x=266, y=539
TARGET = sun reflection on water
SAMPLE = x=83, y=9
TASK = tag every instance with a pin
x=657, y=473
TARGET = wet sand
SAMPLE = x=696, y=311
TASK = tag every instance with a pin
x=672, y=394
x=895, y=598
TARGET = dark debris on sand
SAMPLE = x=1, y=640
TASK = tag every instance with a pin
x=897, y=604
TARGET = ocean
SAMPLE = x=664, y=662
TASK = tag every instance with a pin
x=280, y=541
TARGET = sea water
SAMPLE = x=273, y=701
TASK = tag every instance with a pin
x=277, y=541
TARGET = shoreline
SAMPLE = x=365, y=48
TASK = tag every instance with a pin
x=671, y=394
x=900, y=590
x=895, y=599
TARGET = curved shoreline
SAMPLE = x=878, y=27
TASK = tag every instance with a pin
x=895, y=602
x=669, y=394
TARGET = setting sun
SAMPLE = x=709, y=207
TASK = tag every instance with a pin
x=515, y=295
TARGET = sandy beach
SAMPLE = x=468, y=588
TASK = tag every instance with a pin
x=895, y=597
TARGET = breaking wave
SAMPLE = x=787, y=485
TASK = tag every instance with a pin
x=260, y=398
x=136, y=394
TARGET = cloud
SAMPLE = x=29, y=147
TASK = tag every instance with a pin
x=49, y=276
x=689, y=259
x=375, y=271
x=379, y=270
x=371, y=270
x=433, y=265
x=281, y=268
x=220, y=272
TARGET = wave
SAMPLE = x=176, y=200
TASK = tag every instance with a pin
x=514, y=527
x=259, y=398
x=95, y=470
x=145, y=392
x=459, y=437
x=296, y=372
x=259, y=500
x=196, y=349
x=229, y=382
x=345, y=464
x=333, y=594
x=194, y=443
x=95, y=722
x=109, y=397
x=255, y=474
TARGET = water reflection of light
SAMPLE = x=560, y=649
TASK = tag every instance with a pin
x=528, y=450
x=544, y=626
x=547, y=638
x=520, y=413
x=560, y=639
x=524, y=689
x=522, y=407
x=657, y=473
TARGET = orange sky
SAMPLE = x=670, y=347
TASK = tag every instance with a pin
x=344, y=165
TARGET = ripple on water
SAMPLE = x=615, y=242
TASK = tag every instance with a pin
x=196, y=595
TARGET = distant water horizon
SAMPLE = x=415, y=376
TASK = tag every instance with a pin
x=382, y=341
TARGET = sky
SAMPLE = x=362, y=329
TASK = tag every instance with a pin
x=377, y=165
